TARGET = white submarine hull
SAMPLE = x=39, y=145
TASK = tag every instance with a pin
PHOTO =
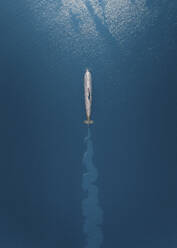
x=88, y=96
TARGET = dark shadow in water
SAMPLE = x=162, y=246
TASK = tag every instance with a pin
x=92, y=212
x=102, y=28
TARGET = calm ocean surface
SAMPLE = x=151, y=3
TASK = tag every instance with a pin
x=130, y=48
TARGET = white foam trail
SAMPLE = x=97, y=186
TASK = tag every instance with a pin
x=92, y=212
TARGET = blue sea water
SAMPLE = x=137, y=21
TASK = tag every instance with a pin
x=130, y=49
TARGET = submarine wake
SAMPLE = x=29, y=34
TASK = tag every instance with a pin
x=91, y=210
